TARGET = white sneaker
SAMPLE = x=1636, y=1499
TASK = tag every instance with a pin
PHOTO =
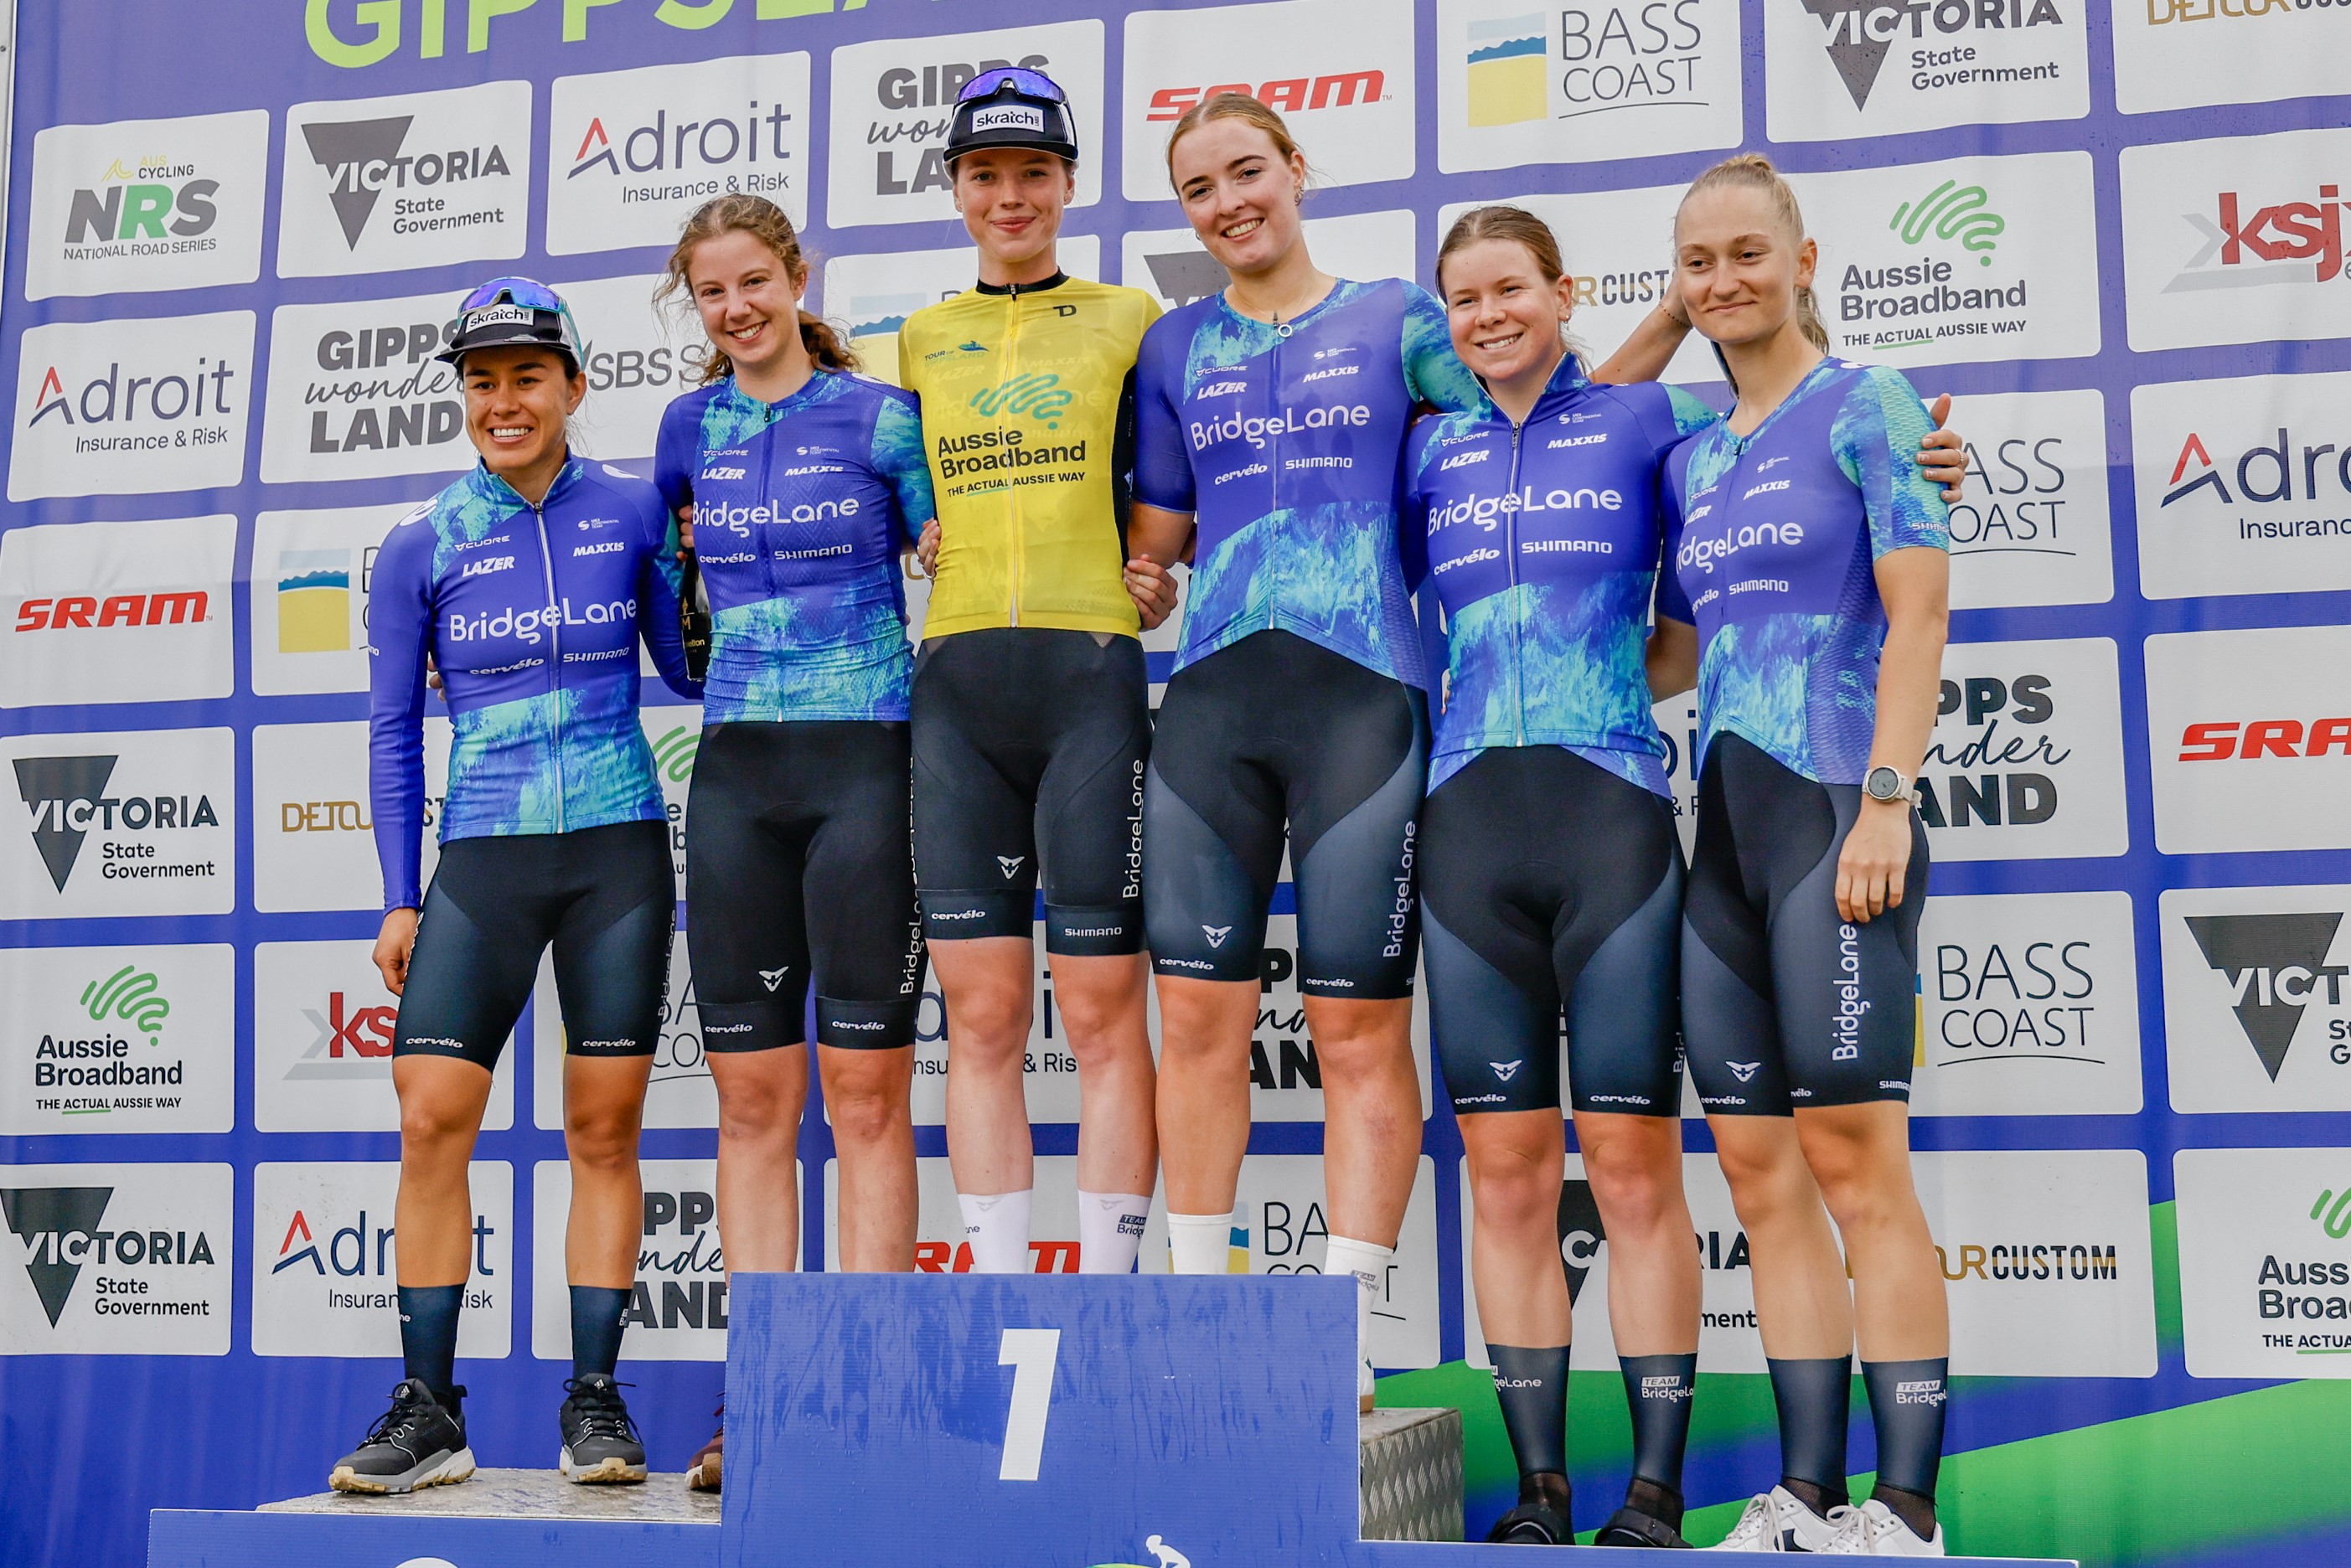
x=1778, y=1520
x=1873, y=1529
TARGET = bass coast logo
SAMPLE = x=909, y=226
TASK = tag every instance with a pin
x=1840, y=67
x=132, y=407
x=422, y=180
x=631, y=154
x=120, y=1260
x=2033, y=524
x=1578, y=82
x=893, y=102
x=2244, y=484
x=2025, y=761
x=1340, y=71
x=1974, y=259
x=356, y=393
x=146, y=204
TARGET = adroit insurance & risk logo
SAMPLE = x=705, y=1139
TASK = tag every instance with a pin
x=422, y=180
x=326, y=1255
x=2242, y=483
x=132, y=407
x=630, y=154
x=142, y=204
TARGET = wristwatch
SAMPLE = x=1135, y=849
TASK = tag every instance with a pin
x=1884, y=784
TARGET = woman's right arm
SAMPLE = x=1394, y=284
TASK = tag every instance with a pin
x=1160, y=525
x=399, y=635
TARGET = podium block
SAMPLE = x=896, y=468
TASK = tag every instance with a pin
x=978, y=1420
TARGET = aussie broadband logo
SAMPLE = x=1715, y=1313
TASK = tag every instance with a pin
x=1038, y=397
x=119, y=1012
x=1957, y=221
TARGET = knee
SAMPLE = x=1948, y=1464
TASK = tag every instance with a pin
x=757, y=1114
x=431, y=1129
x=990, y=1028
x=1768, y=1187
x=864, y=1116
x=604, y=1141
x=1097, y=1022
x=1636, y=1192
x=1511, y=1193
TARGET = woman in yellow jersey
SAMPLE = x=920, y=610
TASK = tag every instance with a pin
x=1030, y=725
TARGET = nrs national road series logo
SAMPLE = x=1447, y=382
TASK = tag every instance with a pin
x=144, y=205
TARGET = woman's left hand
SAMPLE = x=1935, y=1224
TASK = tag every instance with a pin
x=1874, y=860
x=1944, y=454
x=1151, y=587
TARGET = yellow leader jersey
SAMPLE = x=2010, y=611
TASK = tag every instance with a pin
x=1028, y=419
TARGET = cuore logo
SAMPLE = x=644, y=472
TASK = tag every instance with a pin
x=1952, y=211
x=675, y=753
x=2334, y=1222
x=1039, y=396
x=131, y=994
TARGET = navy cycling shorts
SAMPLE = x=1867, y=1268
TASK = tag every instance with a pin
x=602, y=896
x=1785, y=1004
x=1275, y=733
x=1551, y=892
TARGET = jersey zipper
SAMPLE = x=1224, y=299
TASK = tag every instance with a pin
x=767, y=489
x=1011, y=491
x=1273, y=456
x=555, y=666
x=1518, y=606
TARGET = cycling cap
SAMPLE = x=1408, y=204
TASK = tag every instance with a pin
x=1012, y=105
x=507, y=310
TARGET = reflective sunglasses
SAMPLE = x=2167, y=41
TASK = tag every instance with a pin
x=528, y=293
x=1035, y=84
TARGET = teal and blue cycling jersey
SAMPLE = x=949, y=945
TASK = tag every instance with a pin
x=1542, y=544
x=1774, y=537
x=532, y=615
x=1285, y=444
x=800, y=507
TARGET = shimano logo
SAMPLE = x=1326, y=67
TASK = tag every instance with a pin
x=1465, y=459
x=609, y=547
x=485, y=566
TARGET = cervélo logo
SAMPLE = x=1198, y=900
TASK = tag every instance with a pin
x=143, y=204
x=421, y=179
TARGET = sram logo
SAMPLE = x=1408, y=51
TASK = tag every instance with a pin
x=1340, y=89
x=2224, y=739
x=116, y=609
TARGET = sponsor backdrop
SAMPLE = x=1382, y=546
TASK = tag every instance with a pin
x=2113, y=228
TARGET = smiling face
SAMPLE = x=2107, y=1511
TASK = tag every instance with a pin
x=518, y=396
x=1011, y=199
x=1735, y=263
x=1239, y=193
x=1505, y=314
x=750, y=303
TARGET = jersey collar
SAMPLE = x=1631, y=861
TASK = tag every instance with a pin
x=490, y=487
x=1017, y=289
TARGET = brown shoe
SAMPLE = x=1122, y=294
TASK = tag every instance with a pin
x=702, y=1475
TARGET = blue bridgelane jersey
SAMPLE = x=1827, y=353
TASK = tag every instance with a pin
x=1773, y=537
x=1286, y=445
x=800, y=509
x=532, y=615
x=1542, y=547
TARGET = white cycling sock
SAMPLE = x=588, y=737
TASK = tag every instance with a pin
x=996, y=1225
x=1368, y=1261
x=1110, y=1230
x=1200, y=1243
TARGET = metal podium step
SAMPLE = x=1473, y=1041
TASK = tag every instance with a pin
x=1410, y=1468
x=526, y=1494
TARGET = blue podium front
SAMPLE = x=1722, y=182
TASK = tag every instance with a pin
x=1032, y=1419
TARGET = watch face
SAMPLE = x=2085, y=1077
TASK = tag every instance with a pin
x=1884, y=784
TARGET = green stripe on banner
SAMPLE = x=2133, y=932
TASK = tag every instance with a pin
x=2163, y=1229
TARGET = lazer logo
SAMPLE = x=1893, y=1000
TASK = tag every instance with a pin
x=1464, y=460
x=2275, y=966
x=182, y=607
x=1857, y=36
x=1287, y=96
x=1224, y=388
x=362, y=157
x=484, y=566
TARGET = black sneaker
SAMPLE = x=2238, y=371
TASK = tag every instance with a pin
x=416, y=1443
x=1542, y=1517
x=1628, y=1526
x=600, y=1442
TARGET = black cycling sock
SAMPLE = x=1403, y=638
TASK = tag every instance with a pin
x=1814, y=1398
x=428, y=1337
x=1907, y=1401
x=1531, y=1385
x=1660, y=1390
x=596, y=1328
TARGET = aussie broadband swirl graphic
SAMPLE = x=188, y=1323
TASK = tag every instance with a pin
x=131, y=994
x=1952, y=211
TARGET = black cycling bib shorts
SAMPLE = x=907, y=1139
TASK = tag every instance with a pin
x=1274, y=732
x=798, y=871
x=1029, y=746
x=602, y=895
x=1786, y=1004
x=1545, y=880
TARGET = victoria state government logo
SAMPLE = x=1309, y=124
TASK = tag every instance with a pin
x=66, y=797
x=60, y=1229
x=2276, y=968
x=362, y=158
x=1860, y=33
